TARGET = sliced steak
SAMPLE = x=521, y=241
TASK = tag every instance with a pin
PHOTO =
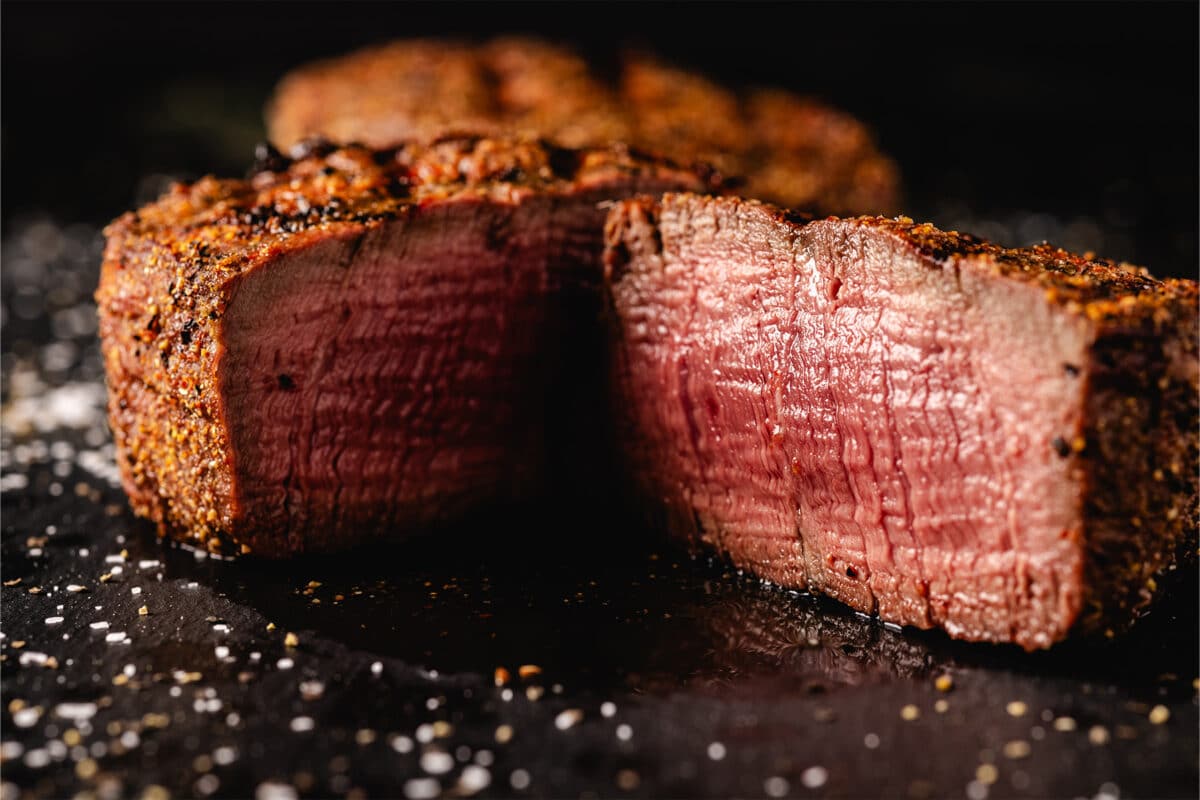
x=789, y=149
x=1000, y=443
x=353, y=342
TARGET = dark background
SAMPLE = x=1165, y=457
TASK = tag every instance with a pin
x=1020, y=121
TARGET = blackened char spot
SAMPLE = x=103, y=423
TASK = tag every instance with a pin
x=286, y=383
x=185, y=334
x=1061, y=447
x=563, y=162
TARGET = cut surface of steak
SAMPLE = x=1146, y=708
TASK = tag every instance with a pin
x=999, y=443
x=352, y=342
x=789, y=149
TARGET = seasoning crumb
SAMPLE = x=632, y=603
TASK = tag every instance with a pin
x=106, y=577
x=13, y=582
x=75, y=588
x=527, y=671
x=944, y=683
x=501, y=676
x=291, y=640
x=1098, y=735
x=941, y=706
x=716, y=751
x=270, y=626
x=624, y=732
x=143, y=611
x=534, y=693
x=775, y=786
x=628, y=780
x=1064, y=724
x=504, y=734
x=1159, y=715
x=155, y=792
x=987, y=774
x=38, y=589
x=1017, y=748
x=1016, y=708
x=910, y=713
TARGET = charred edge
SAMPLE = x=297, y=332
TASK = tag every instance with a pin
x=1141, y=484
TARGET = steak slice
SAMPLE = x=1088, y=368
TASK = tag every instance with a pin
x=352, y=342
x=790, y=149
x=1000, y=443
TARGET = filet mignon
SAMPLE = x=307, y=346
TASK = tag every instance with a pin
x=1000, y=443
x=790, y=149
x=353, y=342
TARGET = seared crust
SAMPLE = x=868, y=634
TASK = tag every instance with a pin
x=169, y=269
x=788, y=149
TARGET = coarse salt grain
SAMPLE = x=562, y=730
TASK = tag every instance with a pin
x=568, y=719
x=775, y=786
x=474, y=778
x=437, y=762
x=422, y=789
x=814, y=777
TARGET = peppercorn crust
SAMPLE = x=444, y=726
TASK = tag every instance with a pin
x=784, y=147
x=169, y=270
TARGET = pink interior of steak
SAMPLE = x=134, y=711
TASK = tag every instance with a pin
x=838, y=413
x=386, y=380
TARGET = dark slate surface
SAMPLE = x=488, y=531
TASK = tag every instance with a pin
x=656, y=674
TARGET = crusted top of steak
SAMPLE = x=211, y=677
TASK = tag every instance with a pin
x=789, y=149
x=1098, y=287
x=1101, y=288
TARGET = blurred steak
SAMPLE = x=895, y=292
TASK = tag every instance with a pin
x=352, y=342
x=790, y=149
x=1000, y=443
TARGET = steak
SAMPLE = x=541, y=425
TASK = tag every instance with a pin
x=790, y=149
x=999, y=443
x=354, y=342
